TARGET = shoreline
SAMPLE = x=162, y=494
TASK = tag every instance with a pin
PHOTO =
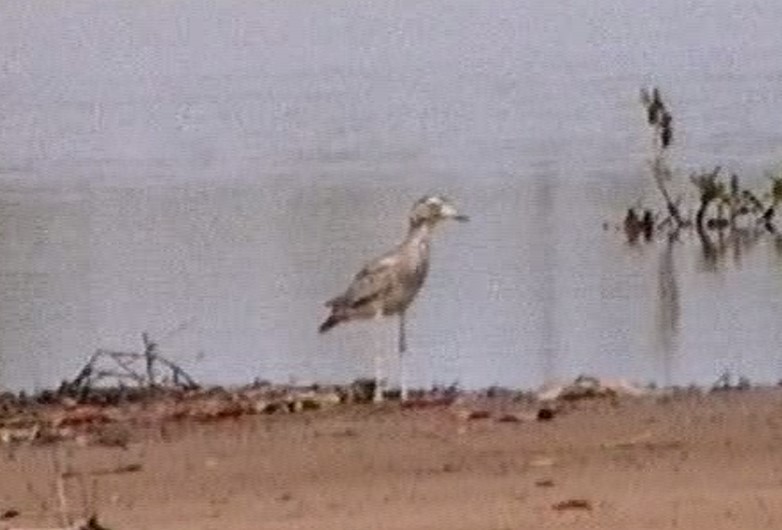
x=73, y=411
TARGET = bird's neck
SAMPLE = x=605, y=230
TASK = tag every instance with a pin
x=417, y=241
x=419, y=233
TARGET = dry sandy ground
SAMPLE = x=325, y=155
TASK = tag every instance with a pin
x=691, y=462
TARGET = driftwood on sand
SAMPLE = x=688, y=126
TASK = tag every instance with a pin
x=123, y=367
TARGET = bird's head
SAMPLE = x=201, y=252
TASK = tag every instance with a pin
x=433, y=209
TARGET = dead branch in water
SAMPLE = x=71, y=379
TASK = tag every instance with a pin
x=722, y=203
x=661, y=121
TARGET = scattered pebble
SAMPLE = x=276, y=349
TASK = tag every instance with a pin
x=588, y=387
x=449, y=468
x=726, y=382
x=572, y=504
x=542, y=461
x=472, y=414
x=478, y=415
x=423, y=403
x=285, y=497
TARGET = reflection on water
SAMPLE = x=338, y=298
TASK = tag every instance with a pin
x=231, y=167
x=668, y=308
x=726, y=248
x=518, y=296
x=544, y=245
x=721, y=250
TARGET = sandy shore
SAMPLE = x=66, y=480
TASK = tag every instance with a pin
x=695, y=461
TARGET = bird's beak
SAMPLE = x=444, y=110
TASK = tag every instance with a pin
x=449, y=212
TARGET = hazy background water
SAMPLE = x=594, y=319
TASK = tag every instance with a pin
x=222, y=168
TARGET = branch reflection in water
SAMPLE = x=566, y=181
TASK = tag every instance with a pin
x=668, y=311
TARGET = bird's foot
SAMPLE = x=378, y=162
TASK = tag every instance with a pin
x=377, y=396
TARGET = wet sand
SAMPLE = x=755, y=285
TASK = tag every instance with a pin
x=693, y=461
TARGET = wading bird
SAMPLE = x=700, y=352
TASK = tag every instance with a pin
x=388, y=285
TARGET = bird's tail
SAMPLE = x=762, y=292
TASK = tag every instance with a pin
x=329, y=323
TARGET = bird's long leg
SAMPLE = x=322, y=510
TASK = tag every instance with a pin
x=402, y=349
x=378, y=357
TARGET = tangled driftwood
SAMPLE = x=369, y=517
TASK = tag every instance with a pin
x=123, y=367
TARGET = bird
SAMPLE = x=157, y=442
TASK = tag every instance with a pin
x=388, y=284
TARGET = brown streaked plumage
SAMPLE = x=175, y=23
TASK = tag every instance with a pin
x=388, y=284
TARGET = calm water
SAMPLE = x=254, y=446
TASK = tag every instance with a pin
x=220, y=169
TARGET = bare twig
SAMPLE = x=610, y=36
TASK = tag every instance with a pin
x=662, y=174
x=661, y=121
x=149, y=355
x=658, y=117
x=124, y=369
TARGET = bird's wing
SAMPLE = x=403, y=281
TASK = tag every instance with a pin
x=375, y=279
